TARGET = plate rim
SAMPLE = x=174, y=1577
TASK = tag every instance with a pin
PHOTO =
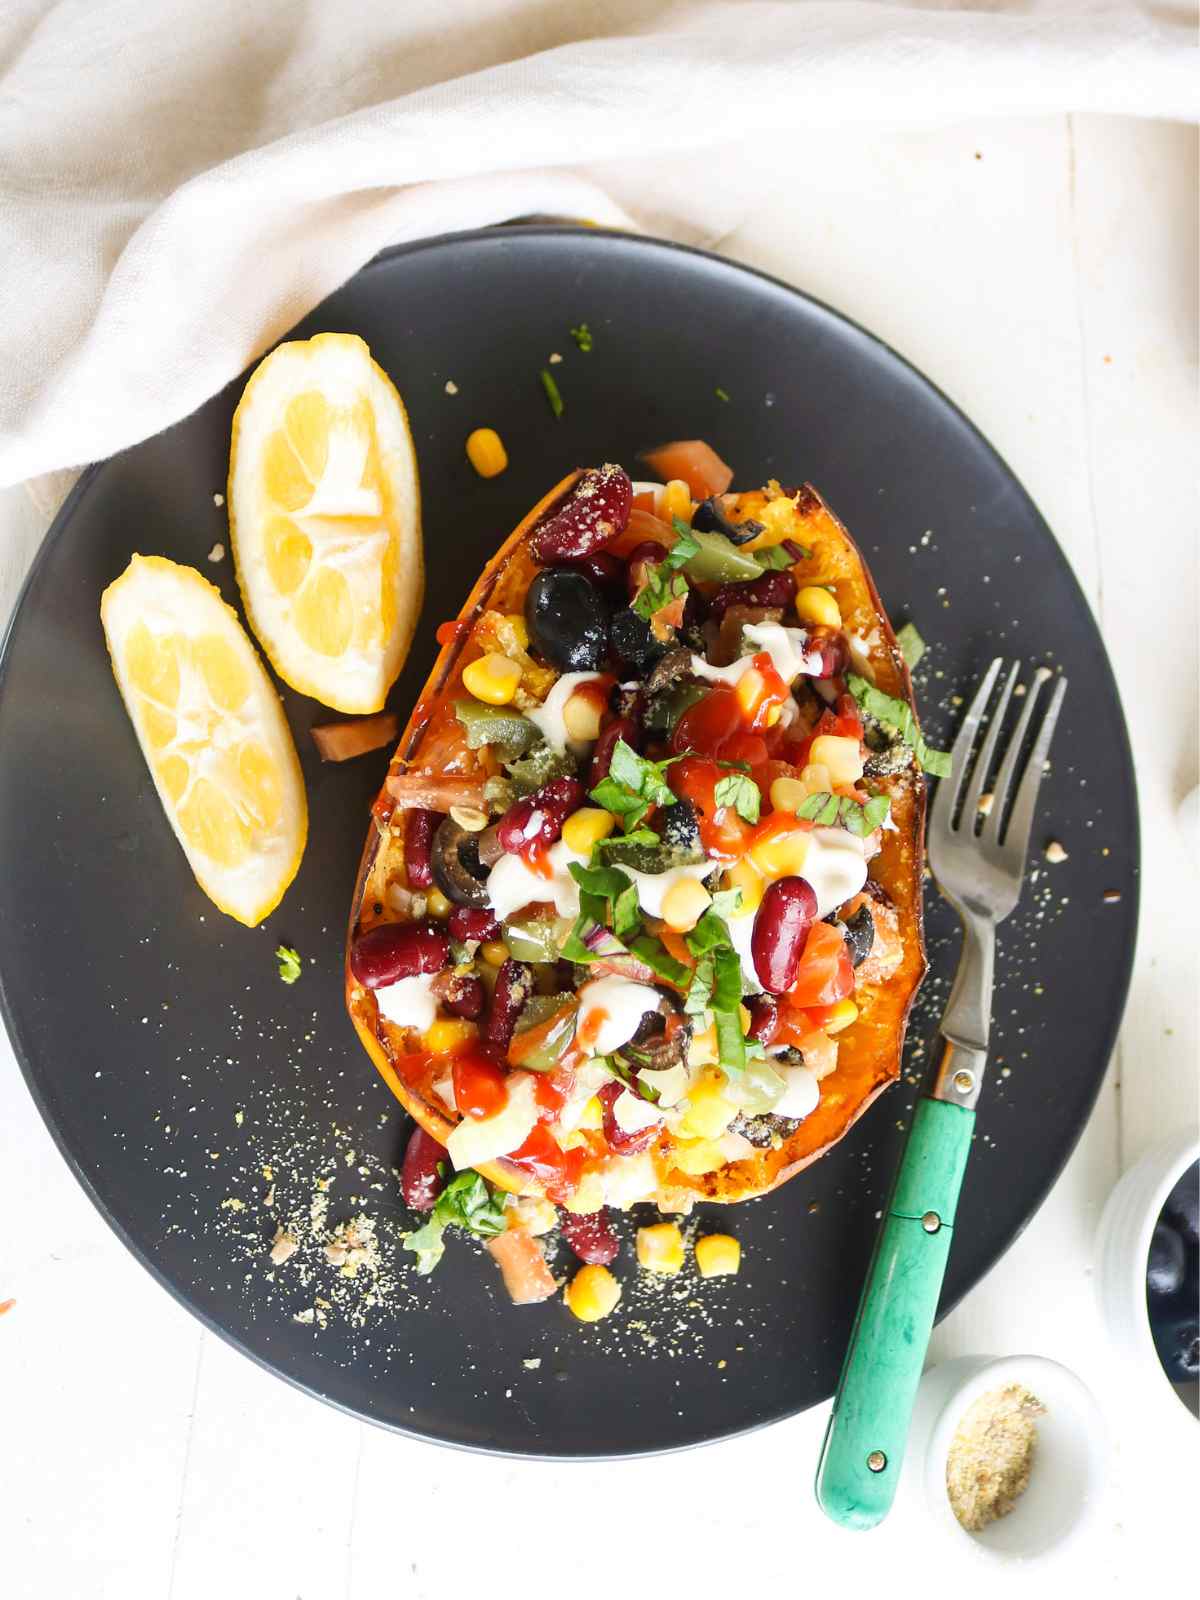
x=533, y=230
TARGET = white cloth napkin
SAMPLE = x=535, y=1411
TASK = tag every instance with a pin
x=180, y=182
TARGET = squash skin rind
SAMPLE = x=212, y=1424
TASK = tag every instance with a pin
x=870, y=1049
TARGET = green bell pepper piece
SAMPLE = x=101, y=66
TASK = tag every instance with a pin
x=719, y=560
x=506, y=729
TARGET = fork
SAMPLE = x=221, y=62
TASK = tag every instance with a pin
x=978, y=860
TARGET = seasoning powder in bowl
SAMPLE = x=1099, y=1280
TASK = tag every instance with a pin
x=991, y=1455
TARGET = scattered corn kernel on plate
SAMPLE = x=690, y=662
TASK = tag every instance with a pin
x=198, y=1068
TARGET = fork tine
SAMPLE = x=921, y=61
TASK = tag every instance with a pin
x=1016, y=836
x=987, y=750
x=948, y=790
x=1012, y=754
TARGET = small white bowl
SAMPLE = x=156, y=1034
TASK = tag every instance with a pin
x=1070, y=1459
x=1122, y=1255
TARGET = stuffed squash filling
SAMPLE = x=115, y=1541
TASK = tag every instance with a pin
x=639, y=917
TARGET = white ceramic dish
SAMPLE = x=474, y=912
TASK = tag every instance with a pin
x=1122, y=1252
x=1070, y=1461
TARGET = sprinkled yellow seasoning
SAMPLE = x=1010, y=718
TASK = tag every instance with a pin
x=991, y=1455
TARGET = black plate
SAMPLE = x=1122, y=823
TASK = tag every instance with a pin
x=171, y=1063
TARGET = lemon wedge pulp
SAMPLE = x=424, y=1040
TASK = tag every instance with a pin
x=213, y=733
x=325, y=520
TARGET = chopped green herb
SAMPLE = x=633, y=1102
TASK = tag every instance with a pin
x=726, y=1006
x=658, y=591
x=663, y=581
x=652, y=951
x=826, y=809
x=633, y=785
x=582, y=336
x=552, y=394
x=740, y=792
x=289, y=962
x=468, y=1202
x=821, y=809
x=721, y=395
x=774, y=558
x=912, y=646
x=699, y=992
x=897, y=714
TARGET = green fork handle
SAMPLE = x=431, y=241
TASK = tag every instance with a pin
x=864, y=1444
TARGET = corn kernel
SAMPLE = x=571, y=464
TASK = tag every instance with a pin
x=816, y=779
x=592, y=1293
x=494, y=679
x=494, y=952
x=707, y=1111
x=588, y=1195
x=448, y=1034
x=781, y=855
x=788, y=794
x=660, y=1248
x=684, y=903
x=841, y=757
x=702, y=1051
x=437, y=905
x=675, y=501
x=592, y=1115
x=486, y=452
x=843, y=1014
x=520, y=632
x=698, y=1156
x=586, y=827
x=774, y=712
x=718, y=1255
x=749, y=689
x=581, y=715
x=814, y=604
x=743, y=875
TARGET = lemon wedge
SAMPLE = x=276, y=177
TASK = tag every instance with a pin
x=213, y=733
x=325, y=520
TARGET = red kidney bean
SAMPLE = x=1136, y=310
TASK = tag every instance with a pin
x=597, y=511
x=514, y=985
x=764, y=1017
x=591, y=1237
x=468, y=923
x=466, y=998
x=420, y=1180
x=619, y=728
x=539, y=818
x=394, y=950
x=781, y=926
x=419, y=829
x=620, y=1142
x=772, y=589
x=602, y=567
x=647, y=554
x=833, y=648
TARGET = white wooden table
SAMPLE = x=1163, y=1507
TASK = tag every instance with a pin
x=1043, y=273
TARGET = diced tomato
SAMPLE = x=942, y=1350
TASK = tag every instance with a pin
x=722, y=831
x=540, y=1156
x=479, y=1087
x=697, y=463
x=644, y=501
x=706, y=726
x=825, y=973
x=676, y=945
x=760, y=691
x=523, y=1266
